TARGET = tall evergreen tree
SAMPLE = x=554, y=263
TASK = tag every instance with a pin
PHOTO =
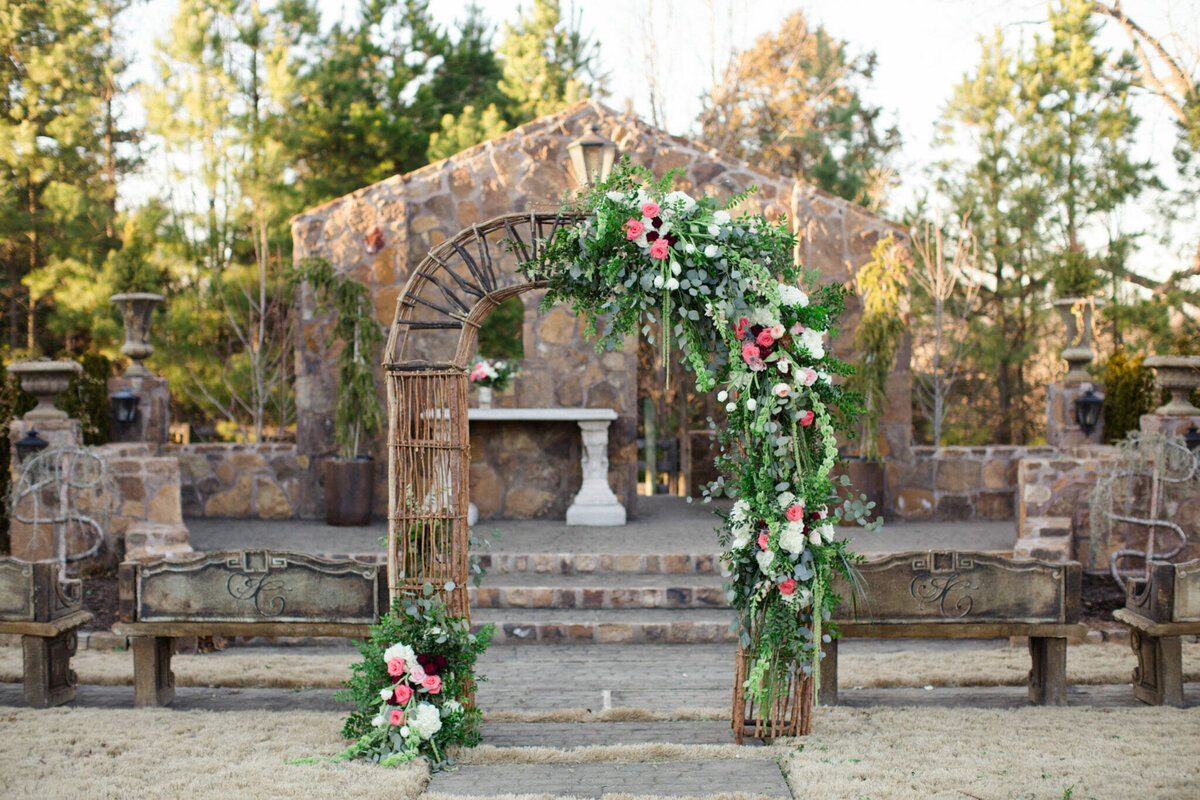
x=548, y=63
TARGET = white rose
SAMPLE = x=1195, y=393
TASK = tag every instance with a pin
x=385, y=694
x=379, y=721
x=714, y=230
x=741, y=538
x=712, y=251
x=404, y=731
x=783, y=364
x=403, y=651
x=815, y=537
x=764, y=558
x=721, y=217
x=781, y=390
x=722, y=396
x=689, y=248
x=731, y=407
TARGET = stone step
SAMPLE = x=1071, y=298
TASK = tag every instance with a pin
x=743, y=777
x=564, y=735
x=608, y=590
x=606, y=626
x=592, y=563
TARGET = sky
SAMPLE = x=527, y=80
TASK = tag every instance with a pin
x=924, y=48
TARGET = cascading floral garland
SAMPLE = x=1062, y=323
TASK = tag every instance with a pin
x=727, y=290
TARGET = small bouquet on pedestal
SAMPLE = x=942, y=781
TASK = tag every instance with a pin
x=489, y=375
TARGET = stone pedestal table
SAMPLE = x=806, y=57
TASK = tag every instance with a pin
x=595, y=503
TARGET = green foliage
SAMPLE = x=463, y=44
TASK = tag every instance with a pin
x=1076, y=275
x=434, y=634
x=500, y=336
x=14, y=402
x=87, y=398
x=466, y=130
x=882, y=284
x=358, y=414
x=1129, y=392
x=548, y=63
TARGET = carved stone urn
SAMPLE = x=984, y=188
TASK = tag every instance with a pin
x=1179, y=375
x=1077, y=314
x=45, y=379
x=136, y=310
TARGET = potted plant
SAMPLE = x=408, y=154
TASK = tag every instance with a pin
x=492, y=375
x=350, y=476
x=881, y=284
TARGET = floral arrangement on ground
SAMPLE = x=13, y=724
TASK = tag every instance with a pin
x=414, y=689
x=753, y=324
x=494, y=374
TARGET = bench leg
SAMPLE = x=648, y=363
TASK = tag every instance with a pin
x=1048, y=674
x=1158, y=679
x=49, y=679
x=153, y=681
x=827, y=692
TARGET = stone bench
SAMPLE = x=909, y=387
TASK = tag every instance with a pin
x=239, y=593
x=1159, y=610
x=953, y=595
x=47, y=611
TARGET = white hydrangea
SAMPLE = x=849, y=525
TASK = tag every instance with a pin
x=616, y=197
x=721, y=217
x=764, y=317
x=792, y=537
x=681, y=202
x=386, y=694
x=741, y=536
x=401, y=651
x=426, y=720
x=765, y=557
x=792, y=296
x=814, y=342
x=786, y=499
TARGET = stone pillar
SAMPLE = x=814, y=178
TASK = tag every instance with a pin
x=26, y=541
x=1168, y=425
x=153, y=421
x=595, y=504
x=1062, y=430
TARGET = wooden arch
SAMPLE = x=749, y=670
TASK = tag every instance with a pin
x=446, y=299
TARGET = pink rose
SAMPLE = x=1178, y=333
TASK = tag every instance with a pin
x=787, y=587
x=650, y=209
x=432, y=683
x=660, y=249
x=757, y=364
x=797, y=329
x=795, y=512
x=396, y=717
x=765, y=339
x=822, y=512
x=417, y=674
x=396, y=667
x=402, y=694
x=634, y=229
x=807, y=418
x=762, y=541
x=808, y=376
x=750, y=352
x=743, y=325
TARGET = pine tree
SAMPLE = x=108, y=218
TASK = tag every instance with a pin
x=466, y=130
x=792, y=103
x=548, y=64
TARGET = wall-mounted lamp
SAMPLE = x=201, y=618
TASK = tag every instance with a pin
x=1087, y=410
x=124, y=406
x=1192, y=438
x=592, y=156
x=30, y=445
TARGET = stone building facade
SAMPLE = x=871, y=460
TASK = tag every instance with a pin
x=379, y=233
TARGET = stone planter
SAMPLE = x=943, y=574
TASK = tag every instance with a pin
x=1077, y=314
x=45, y=379
x=1179, y=375
x=136, y=310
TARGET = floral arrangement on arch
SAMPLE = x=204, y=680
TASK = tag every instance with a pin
x=750, y=324
x=494, y=374
x=413, y=690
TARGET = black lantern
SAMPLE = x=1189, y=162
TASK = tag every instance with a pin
x=592, y=156
x=1087, y=410
x=1192, y=438
x=30, y=445
x=124, y=406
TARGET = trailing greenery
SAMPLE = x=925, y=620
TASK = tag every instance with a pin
x=358, y=414
x=1129, y=392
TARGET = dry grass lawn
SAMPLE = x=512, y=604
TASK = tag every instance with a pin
x=885, y=754
x=1086, y=664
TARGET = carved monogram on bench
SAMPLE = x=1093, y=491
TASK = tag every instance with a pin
x=942, y=584
x=258, y=588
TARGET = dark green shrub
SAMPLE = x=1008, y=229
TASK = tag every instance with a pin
x=1128, y=394
x=14, y=401
x=87, y=399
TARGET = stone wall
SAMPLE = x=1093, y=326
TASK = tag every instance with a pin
x=378, y=234
x=956, y=483
x=240, y=480
x=1061, y=428
x=1053, y=521
x=147, y=518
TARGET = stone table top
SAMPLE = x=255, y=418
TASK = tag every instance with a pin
x=541, y=414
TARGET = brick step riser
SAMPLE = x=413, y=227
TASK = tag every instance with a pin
x=516, y=633
x=576, y=563
x=596, y=598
